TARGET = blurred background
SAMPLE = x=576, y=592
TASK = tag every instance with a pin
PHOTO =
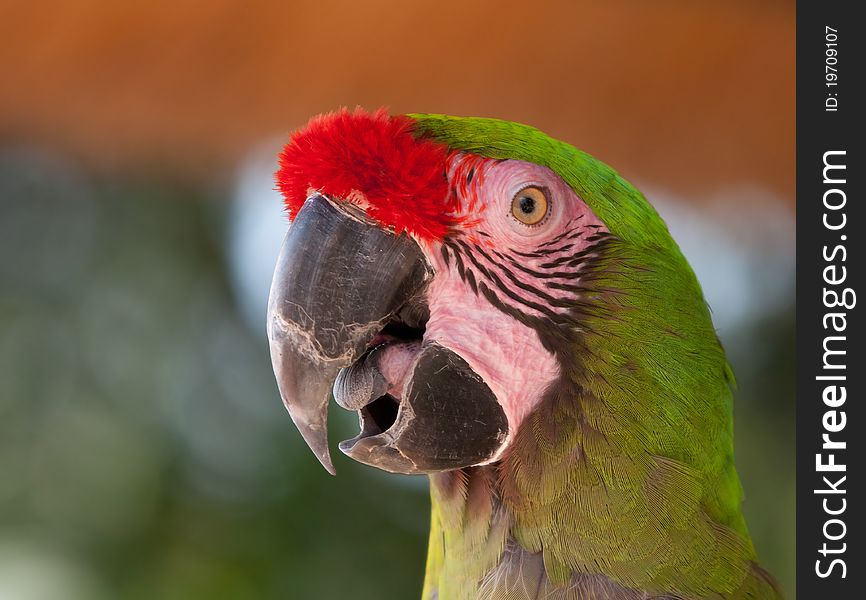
x=144, y=451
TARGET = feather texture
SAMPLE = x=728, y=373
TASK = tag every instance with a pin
x=621, y=483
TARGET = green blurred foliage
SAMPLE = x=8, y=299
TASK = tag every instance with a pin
x=764, y=445
x=144, y=452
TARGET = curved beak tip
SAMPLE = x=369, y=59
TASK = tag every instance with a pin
x=316, y=437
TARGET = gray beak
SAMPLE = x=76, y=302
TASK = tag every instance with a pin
x=338, y=280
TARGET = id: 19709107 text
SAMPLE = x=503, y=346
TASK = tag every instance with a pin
x=831, y=71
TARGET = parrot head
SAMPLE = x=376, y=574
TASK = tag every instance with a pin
x=510, y=316
x=428, y=286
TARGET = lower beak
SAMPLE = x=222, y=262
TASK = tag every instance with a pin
x=338, y=280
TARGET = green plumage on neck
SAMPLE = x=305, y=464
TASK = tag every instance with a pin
x=621, y=484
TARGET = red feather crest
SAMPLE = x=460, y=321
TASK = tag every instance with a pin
x=373, y=160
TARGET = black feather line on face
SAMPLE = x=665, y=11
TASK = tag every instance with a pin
x=542, y=253
x=558, y=330
x=470, y=279
x=568, y=233
x=541, y=274
x=556, y=302
x=493, y=277
x=461, y=270
x=445, y=255
x=574, y=260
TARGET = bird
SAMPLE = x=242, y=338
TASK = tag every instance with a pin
x=510, y=317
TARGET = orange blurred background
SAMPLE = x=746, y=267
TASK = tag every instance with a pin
x=692, y=94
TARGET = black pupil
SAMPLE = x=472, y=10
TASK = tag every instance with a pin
x=527, y=205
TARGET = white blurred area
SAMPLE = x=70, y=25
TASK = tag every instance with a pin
x=739, y=241
x=257, y=224
x=31, y=572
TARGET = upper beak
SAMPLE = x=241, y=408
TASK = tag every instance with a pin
x=338, y=280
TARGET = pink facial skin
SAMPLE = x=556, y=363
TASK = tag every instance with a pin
x=505, y=352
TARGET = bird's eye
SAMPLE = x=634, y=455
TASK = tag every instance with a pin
x=529, y=205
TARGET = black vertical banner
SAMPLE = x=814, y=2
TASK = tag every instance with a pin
x=831, y=64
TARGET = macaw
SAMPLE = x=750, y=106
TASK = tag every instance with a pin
x=509, y=316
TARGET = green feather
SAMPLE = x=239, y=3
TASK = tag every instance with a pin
x=621, y=484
